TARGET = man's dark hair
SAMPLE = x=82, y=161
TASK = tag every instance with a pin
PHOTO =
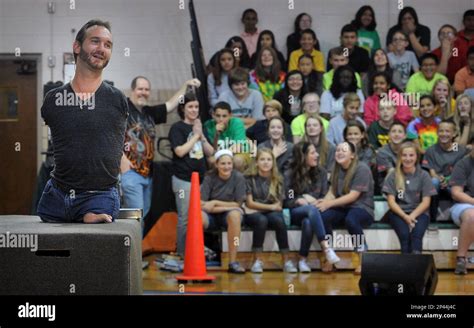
x=81, y=35
x=134, y=81
x=468, y=13
x=429, y=55
x=348, y=28
x=237, y=75
x=249, y=10
x=222, y=105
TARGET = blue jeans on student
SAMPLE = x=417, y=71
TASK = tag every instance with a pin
x=260, y=222
x=182, y=190
x=59, y=206
x=309, y=218
x=410, y=242
x=136, y=191
x=354, y=219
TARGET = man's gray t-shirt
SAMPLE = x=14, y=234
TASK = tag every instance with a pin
x=89, y=141
x=417, y=186
x=403, y=64
x=230, y=190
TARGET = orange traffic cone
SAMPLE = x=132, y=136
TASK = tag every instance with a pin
x=194, y=260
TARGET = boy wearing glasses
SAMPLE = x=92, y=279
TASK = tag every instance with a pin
x=401, y=60
x=450, y=60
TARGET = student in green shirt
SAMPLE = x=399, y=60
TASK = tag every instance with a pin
x=423, y=81
x=368, y=37
x=223, y=126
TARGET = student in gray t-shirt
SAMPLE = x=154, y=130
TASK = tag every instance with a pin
x=222, y=194
x=306, y=184
x=246, y=104
x=350, y=199
x=409, y=190
x=462, y=213
x=265, y=195
x=386, y=157
x=440, y=158
x=401, y=60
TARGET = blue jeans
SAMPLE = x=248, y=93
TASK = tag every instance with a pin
x=136, y=191
x=58, y=206
x=409, y=241
x=354, y=219
x=309, y=218
x=182, y=190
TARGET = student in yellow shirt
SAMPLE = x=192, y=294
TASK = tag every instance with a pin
x=307, y=41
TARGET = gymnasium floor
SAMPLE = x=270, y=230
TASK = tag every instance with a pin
x=158, y=282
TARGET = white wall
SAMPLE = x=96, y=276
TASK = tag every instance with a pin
x=218, y=23
x=158, y=34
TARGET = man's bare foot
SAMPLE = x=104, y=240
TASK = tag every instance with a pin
x=97, y=218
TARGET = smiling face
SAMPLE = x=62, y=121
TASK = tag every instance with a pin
x=380, y=58
x=396, y=134
x=224, y=166
x=427, y=108
x=351, y=110
x=312, y=156
x=240, y=89
x=399, y=41
x=366, y=18
x=307, y=42
x=264, y=162
x=344, y=155
x=226, y=61
x=276, y=130
x=96, y=49
x=313, y=127
x=267, y=58
x=295, y=82
x=191, y=111
x=354, y=135
x=141, y=93
x=446, y=133
x=380, y=85
x=409, y=158
x=428, y=68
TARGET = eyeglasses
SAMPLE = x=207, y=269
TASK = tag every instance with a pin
x=446, y=34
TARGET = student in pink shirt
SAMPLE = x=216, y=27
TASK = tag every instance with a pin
x=251, y=32
x=380, y=87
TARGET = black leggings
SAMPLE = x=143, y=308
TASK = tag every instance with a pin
x=260, y=222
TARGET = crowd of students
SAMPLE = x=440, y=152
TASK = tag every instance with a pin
x=322, y=140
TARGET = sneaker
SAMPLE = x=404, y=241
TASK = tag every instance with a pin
x=257, y=267
x=290, y=267
x=303, y=266
x=331, y=256
x=235, y=267
x=461, y=266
